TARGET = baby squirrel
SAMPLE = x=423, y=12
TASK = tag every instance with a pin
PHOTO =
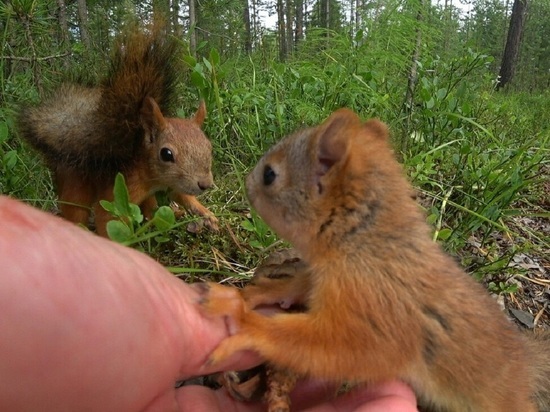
x=383, y=300
x=89, y=134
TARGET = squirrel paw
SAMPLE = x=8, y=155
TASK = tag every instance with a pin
x=221, y=301
x=210, y=223
x=207, y=220
x=216, y=300
x=280, y=280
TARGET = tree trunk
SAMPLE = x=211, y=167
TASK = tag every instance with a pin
x=352, y=15
x=177, y=28
x=247, y=28
x=281, y=30
x=327, y=14
x=299, y=30
x=413, y=72
x=513, y=42
x=63, y=25
x=83, y=23
x=64, y=29
x=192, y=31
x=358, y=8
x=289, y=31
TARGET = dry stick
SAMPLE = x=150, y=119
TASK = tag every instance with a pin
x=35, y=59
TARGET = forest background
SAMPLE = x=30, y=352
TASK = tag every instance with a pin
x=464, y=87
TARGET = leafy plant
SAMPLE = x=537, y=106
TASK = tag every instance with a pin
x=501, y=287
x=262, y=237
x=130, y=227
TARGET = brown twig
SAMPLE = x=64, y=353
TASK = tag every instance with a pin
x=35, y=59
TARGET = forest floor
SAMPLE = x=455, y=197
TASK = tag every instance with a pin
x=529, y=306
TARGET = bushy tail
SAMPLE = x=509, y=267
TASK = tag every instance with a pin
x=539, y=351
x=145, y=64
x=98, y=129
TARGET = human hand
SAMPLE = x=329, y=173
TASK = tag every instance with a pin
x=309, y=397
x=90, y=325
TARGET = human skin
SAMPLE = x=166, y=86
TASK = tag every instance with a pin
x=90, y=325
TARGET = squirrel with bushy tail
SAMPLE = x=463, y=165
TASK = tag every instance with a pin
x=89, y=134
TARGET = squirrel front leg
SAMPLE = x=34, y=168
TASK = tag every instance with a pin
x=243, y=323
x=308, y=344
x=192, y=205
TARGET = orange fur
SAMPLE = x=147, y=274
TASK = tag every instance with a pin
x=89, y=134
x=383, y=300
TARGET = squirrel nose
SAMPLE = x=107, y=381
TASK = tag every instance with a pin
x=204, y=185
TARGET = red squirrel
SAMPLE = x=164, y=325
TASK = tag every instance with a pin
x=89, y=134
x=383, y=301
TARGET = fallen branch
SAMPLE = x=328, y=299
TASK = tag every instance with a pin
x=31, y=59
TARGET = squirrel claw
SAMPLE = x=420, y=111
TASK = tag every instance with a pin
x=191, y=204
x=202, y=289
x=209, y=222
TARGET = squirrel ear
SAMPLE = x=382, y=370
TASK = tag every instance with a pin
x=377, y=128
x=152, y=119
x=334, y=137
x=201, y=113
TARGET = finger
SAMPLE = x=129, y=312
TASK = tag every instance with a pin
x=388, y=397
x=203, y=399
x=392, y=397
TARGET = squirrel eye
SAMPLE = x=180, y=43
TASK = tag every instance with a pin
x=166, y=155
x=269, y=175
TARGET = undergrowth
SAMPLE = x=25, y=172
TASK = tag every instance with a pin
x=476, y=157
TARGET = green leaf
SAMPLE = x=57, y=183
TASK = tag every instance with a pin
x=198, y=80
x=190, y=60
x=10, y=159
x=164, y=218
x=135, y=213
x=425, y=94
x=444, y=234
x=202, y=45
x=207, y=63
x=430, y=103
x=431, y=219
x=247, y=225
x=108, y=206
x=118, y=231
x=256, y=244
x=122, y=198
x=215, y=57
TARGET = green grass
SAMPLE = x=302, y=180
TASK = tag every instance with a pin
x=478, y=159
